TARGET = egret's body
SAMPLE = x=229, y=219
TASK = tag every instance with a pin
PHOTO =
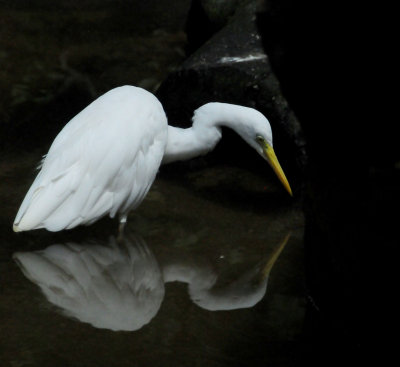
x=106, y=158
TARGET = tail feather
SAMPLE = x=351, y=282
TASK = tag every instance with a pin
x=43, y=198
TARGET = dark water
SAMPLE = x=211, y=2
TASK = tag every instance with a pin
x=183, y=286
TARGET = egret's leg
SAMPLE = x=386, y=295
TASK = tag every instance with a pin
x=122, y=222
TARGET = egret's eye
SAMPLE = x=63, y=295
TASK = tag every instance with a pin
x=260, y=139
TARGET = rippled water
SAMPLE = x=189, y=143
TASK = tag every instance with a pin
x=188, y=283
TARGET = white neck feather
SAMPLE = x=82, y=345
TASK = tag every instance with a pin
x=205, y=132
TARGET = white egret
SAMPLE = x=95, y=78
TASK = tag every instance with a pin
x=105, y=159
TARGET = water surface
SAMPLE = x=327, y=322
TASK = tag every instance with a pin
x=184, y=285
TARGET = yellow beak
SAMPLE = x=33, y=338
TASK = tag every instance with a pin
x=274, y=256
x=273, y=161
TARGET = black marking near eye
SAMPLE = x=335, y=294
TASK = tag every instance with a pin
x=260, y=139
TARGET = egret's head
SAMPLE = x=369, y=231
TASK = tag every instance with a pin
x=249, y=123
x=255, y=129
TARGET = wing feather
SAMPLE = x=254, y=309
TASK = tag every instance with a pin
x=103, y=161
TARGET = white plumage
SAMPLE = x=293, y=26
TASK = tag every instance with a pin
x=103, y=162
x=105, y=159
x=244, y=292
x=118, y=286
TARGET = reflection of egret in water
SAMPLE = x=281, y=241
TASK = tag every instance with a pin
x=117, y=287
x=120, y=286
x=244, y=292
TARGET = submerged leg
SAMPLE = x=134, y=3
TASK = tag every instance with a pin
x=122, y=222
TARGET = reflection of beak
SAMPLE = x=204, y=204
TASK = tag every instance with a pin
x=274, y=256
x=270, y=156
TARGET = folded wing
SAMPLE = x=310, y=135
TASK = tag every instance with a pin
x=103, y=162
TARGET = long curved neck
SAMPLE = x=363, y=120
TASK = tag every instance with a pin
x=204, y=134
x=184, y=144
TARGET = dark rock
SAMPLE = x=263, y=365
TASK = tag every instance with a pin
x=233, y=67
x=219, y=11
x=346, y=197
x=205, y=18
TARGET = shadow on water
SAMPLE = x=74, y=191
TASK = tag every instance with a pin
x=119, y=285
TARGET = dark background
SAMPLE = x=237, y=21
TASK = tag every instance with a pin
x=57, y=57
